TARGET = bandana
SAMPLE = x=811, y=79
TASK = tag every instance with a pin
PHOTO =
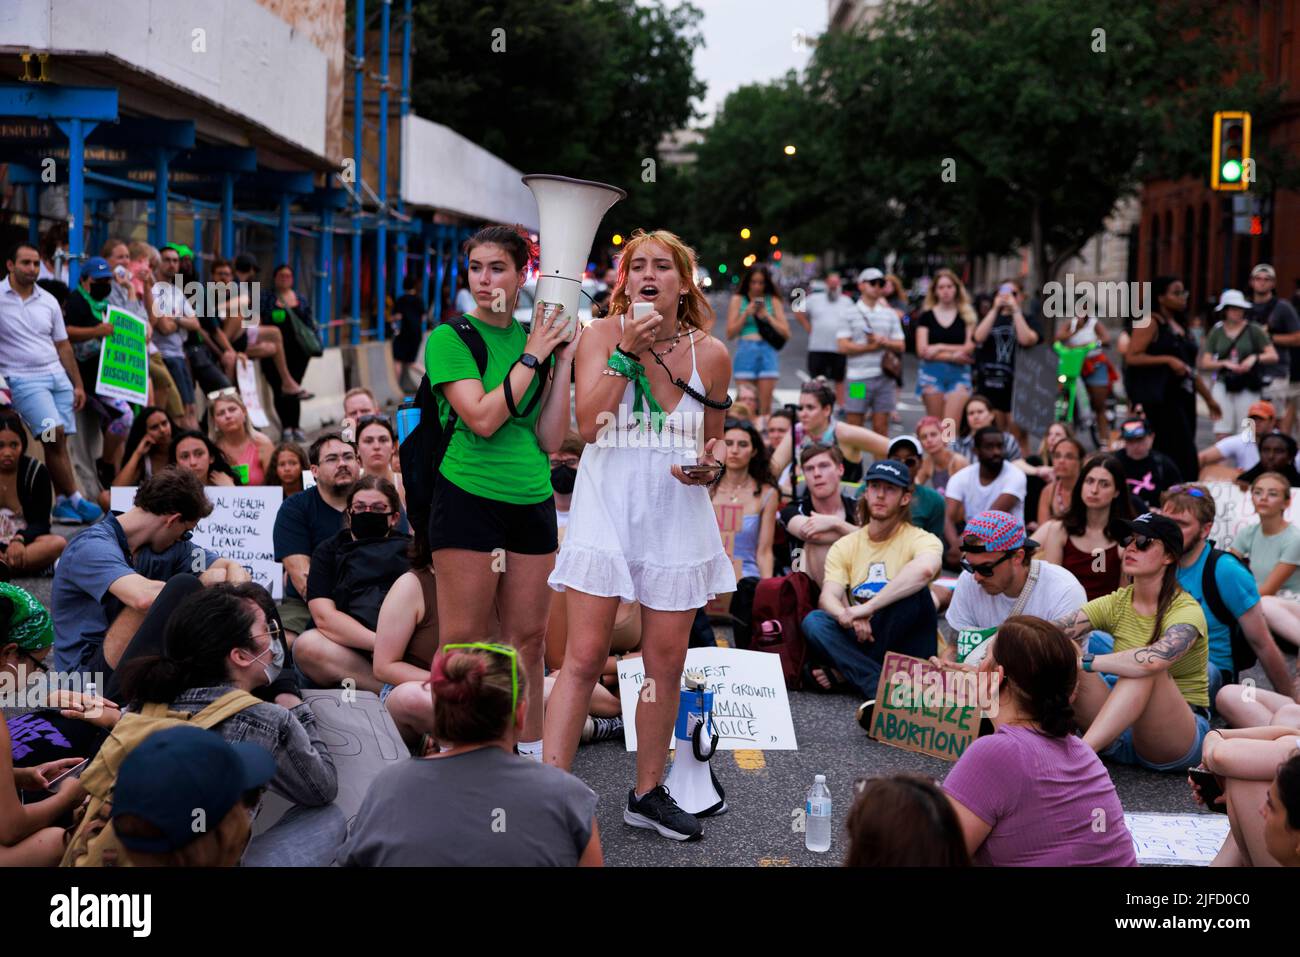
x=29, y=626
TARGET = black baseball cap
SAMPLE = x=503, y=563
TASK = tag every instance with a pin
x=245, y=263
x=1160, y=527
x=888, y=470
x=1134, y=427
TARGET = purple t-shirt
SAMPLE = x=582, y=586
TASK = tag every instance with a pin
x=1049, y=801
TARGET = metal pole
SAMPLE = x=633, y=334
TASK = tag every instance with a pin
x=282, y=233
x=324, y=291
x=424, y=283
x=441, y=234
x=198, y=244
x=381, y=232
x=76, y=197
x=33, y=214
x=358, y=117
x=160, y=224
x=228, y=215
x=404, y=108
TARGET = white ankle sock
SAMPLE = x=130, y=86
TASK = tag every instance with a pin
x=531, y=749
x=76, y=498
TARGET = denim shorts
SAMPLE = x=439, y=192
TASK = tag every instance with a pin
x=43, y=400
x=385, y=691
x=1100, y=375
x=755, y=359
x=180, y=370
x=942, y=377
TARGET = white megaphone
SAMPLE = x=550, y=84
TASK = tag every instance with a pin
x=569, y=212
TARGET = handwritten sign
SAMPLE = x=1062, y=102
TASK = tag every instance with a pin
x=731, y=518
x=1034, y=389
x=246, y=378
x=1188, y=839
x=1234, y=511
x=240, y=528
x=751, y=710
x=359, y=735
x=918, y=708
x=124, y=360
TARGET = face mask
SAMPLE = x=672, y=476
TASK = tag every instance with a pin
x=271, y=669
x=563, y=477
x=100, y=288
x=369, y=525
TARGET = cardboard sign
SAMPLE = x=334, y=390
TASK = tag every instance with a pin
x=1034, y=389
x=1187, y=839
x=246, y=379
x=731, y=518
x=124, y=360
x=917, y=709
x=240, y=528
x=1234, y=511
x=751, y=710
x=360, y=736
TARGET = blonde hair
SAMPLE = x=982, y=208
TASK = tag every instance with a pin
x=694, y=308
x=221, y=846
x=964, y=307
x=214, y=433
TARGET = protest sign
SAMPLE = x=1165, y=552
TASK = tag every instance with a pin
x=240, y=528
x=1034, y=389
x=246, y=378
x=731, y=519
x=751, y=710
x=1233, y=511
x=361, y=738
x=925, y=709
x=124, y=360
x=1187, y=839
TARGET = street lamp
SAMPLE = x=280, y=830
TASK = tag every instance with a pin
x=744, y=232
x=618, y=239
x=790, y=150
x=773, y=240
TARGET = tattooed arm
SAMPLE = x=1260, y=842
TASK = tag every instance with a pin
x=1152, y=659
x=1077, y=626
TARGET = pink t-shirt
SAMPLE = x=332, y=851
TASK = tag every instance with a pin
x=1049, y=801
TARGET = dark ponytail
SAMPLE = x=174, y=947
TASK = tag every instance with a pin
x=196, y=646
x=1169, y=589
x=1042, y=668
x=515, y=240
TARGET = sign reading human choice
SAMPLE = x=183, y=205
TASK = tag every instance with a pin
x=926, y=709
x=240, y=528
x=750, y=708
x=124, y=360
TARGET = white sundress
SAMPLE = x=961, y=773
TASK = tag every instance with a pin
x=634, y=531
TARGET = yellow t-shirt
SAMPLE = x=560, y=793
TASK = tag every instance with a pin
x=864, y=567
x=1114, y=613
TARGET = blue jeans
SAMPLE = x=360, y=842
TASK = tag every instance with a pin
x=755, y=359
x=909, y=626
x=303, y=837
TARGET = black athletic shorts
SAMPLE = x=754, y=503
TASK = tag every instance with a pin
x=829, y=364
x=460, y=519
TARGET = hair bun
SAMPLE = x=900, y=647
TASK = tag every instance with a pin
x=457, y=677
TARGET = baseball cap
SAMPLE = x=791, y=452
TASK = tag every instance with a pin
x=870, y=273
x=994, y=531
x=895, y=473
x=245, y=263
x=96, y=268
x=1231, y=297
x=1263, y=269
x=176, y=772
x=1160, y=527
x=1135, y=428
x=910, y=439
x=1263, y=409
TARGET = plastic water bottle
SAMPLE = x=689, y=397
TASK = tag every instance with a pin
x=817, y=816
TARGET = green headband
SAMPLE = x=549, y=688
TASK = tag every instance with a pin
x=29, y=625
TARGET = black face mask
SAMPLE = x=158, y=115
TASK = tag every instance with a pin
x=100, y=288
x=563, y=477
x=369, y=525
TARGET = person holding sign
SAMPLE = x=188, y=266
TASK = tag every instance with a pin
x=1156, y=712
x=876, y=596
x=1000, y=580
x=244, y=448
x=1032, y=794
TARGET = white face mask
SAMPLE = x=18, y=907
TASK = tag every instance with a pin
x=272, y=668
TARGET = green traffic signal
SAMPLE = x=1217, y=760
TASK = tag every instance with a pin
x=1231, y=171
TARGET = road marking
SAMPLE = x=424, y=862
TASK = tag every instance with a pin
x=774, y=862
x=748, y=760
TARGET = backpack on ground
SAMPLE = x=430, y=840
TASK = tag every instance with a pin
x=422, y=450
x=93, y=842
x=786, y=599
x=1243, y=655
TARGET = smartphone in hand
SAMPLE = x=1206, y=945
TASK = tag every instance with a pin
x=1210, y=789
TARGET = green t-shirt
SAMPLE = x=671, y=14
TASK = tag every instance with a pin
x=1266, y=552
x=1252, y=339
x=1114, y=613
x=508, y=466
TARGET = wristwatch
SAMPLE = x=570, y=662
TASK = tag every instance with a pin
x=1087, y=662
x=530, y=360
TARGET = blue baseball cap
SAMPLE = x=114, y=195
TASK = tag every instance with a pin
x=179, y=771
x=895, y=473
x=96, y=268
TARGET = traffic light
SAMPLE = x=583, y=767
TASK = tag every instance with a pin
x=1230, y=155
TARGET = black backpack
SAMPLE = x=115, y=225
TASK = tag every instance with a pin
x=1243, y=655
x=422, y=451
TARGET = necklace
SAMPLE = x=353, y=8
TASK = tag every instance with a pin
x=674, y=340
x=679, y=334
x=734, y=490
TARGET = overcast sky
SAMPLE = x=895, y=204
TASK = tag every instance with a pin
x=750, y=41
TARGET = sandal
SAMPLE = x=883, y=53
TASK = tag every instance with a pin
x=810, y=682
x=302, y=395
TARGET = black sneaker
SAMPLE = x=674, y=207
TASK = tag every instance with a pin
x=602, y=729
x=865, y=711
x=657, y=811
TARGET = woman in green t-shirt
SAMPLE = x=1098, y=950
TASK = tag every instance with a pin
x=492, y=519
x=1235, y=350
x=1154, y=711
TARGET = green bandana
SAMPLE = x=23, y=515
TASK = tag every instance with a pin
x=97, y=307
x=642, y=398
x=29, y=625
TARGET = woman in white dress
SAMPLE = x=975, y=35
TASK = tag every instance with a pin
x=651, y=395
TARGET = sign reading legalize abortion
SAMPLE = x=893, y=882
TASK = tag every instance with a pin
x=923, y=708
x=124, y=360
x=240, y=528
x=751, y=710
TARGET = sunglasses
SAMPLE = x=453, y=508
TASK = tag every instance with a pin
x=1185, y=489
x=1141, y=541
x=985, y=571
x=875, y=282
x=497, y=649
x=228, y=390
